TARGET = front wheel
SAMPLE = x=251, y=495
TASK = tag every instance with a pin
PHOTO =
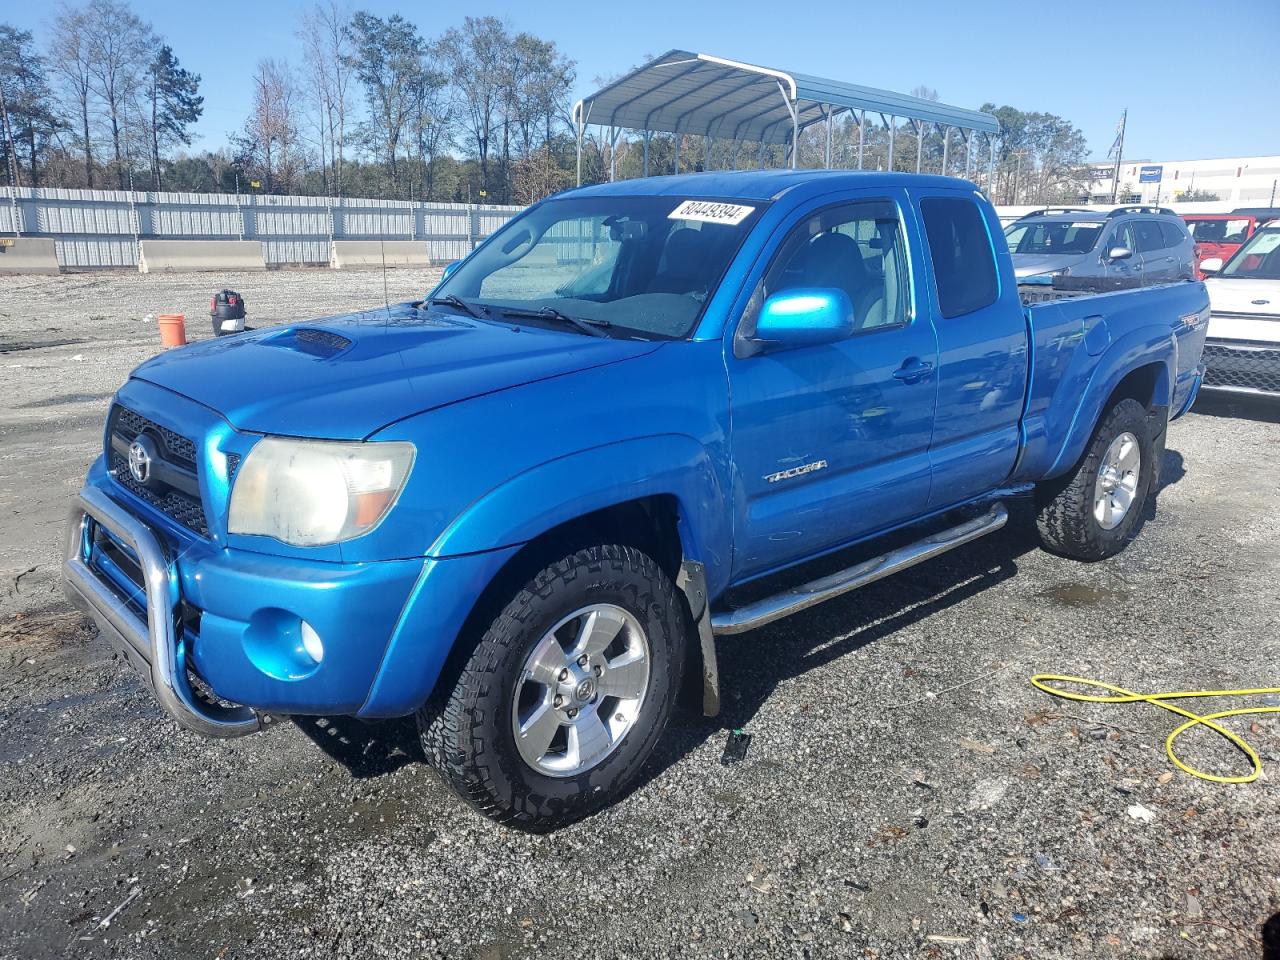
x=566, y=694
x=1093, y=511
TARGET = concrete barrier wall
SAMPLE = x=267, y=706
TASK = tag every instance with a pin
x=186, y=256
x=28, y=255
x=346, y=254
x=101, y=228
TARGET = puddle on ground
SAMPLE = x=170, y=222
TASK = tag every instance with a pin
x=1081, y=594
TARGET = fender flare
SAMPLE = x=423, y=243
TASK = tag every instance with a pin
x=1124, y=356
x=571, y=486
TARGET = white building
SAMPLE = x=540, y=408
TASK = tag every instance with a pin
x=1238, y=181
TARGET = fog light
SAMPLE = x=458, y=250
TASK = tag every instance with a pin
x=282, y=645
x=311, y=642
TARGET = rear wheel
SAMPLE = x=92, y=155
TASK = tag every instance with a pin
x=1093, y=511
x=566, y=694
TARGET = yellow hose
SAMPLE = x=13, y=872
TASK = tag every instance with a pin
x=1042, y=681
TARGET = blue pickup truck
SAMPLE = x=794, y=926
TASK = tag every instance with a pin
x=520, y=508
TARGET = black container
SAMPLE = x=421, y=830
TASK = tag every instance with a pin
x=226, y=309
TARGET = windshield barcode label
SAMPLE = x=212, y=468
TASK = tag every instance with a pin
x=710, y=211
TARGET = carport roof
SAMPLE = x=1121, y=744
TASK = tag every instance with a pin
x=697, y=93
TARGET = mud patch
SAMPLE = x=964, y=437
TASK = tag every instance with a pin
x=14, y=346
x=65, y=399
x=1082, y=595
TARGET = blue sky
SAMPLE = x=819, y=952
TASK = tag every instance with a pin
x=1197, y=82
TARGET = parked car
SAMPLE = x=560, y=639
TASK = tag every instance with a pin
x=520, y=507
x=1077, y=249
x=1218, y=235
x=1243, y=346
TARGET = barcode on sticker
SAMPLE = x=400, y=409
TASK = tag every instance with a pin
x=711, y=211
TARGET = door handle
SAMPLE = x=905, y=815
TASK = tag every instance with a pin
x=913, y=370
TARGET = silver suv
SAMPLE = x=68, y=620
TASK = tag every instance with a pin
x=1076, y=249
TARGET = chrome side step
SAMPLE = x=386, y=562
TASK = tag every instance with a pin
x=811, y=594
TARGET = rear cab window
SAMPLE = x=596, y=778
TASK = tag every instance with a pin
x=964, y=263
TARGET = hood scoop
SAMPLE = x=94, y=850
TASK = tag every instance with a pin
x=310, y=340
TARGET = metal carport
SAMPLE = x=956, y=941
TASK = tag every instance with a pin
x=697, y=93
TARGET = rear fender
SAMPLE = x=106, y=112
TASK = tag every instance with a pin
x=1138, y=349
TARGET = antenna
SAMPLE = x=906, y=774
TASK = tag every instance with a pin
x=386, y=300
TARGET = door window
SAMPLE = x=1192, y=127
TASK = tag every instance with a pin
x=964, y=264
x=1148, y=234
x=1172, y=235
x=1123, y=237
x=856, y=248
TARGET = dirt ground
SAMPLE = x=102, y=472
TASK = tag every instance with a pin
x=906, y=793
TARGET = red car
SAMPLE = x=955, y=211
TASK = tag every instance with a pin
x=1219, y=234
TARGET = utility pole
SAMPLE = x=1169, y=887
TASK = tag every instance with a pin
x=1119, y=148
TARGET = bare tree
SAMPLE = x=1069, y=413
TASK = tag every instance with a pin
x=476, y=55
x=119, y=44
x=325, y=32
x=70, y=55
x=269, y=144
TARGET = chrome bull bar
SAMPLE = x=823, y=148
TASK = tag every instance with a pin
x=153, y=646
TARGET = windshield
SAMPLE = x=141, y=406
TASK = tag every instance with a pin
x=1219, y=231
x=1259, y=259
x=1049, y=237
x=629, y=266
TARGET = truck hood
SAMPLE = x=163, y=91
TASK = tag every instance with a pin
x=1031, y=264
x=343, y=378
x=1244, y=309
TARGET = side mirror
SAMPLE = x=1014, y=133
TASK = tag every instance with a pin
x=804, y=317
x=449, y=269
x=1119, y=253
x=1212, y=265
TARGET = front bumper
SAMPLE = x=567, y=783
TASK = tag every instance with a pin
x=1242, y=366
x=231, y=617
x=152, y=646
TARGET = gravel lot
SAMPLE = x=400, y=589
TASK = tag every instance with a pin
x=906, y=793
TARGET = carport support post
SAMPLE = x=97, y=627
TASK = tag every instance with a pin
x=675, y=154
x=919, y=128
x=827, y=156
x=646, y=153
x=862, y=134
x=794, y=110
x=893, y=129
x=991, y=168
x=946, y=142
x=581, y=124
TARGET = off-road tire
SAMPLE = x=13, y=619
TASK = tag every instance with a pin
x=1064, y=505
x=466, y=727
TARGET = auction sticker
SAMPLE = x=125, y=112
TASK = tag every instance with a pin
x=711, y=211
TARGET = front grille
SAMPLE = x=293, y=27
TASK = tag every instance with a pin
x=177, y=451
x=129, y=424
x=1251, y=367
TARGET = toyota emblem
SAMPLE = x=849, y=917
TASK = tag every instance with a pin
x=140, y=455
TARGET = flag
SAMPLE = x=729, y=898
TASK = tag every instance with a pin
x=1119, y=140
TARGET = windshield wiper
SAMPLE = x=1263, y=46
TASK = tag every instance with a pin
x=474, y=309
x=593, y=328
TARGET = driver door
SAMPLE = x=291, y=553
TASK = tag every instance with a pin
x=831, y=441
x=1122, y=274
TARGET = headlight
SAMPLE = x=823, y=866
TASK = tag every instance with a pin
x=312, y=492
